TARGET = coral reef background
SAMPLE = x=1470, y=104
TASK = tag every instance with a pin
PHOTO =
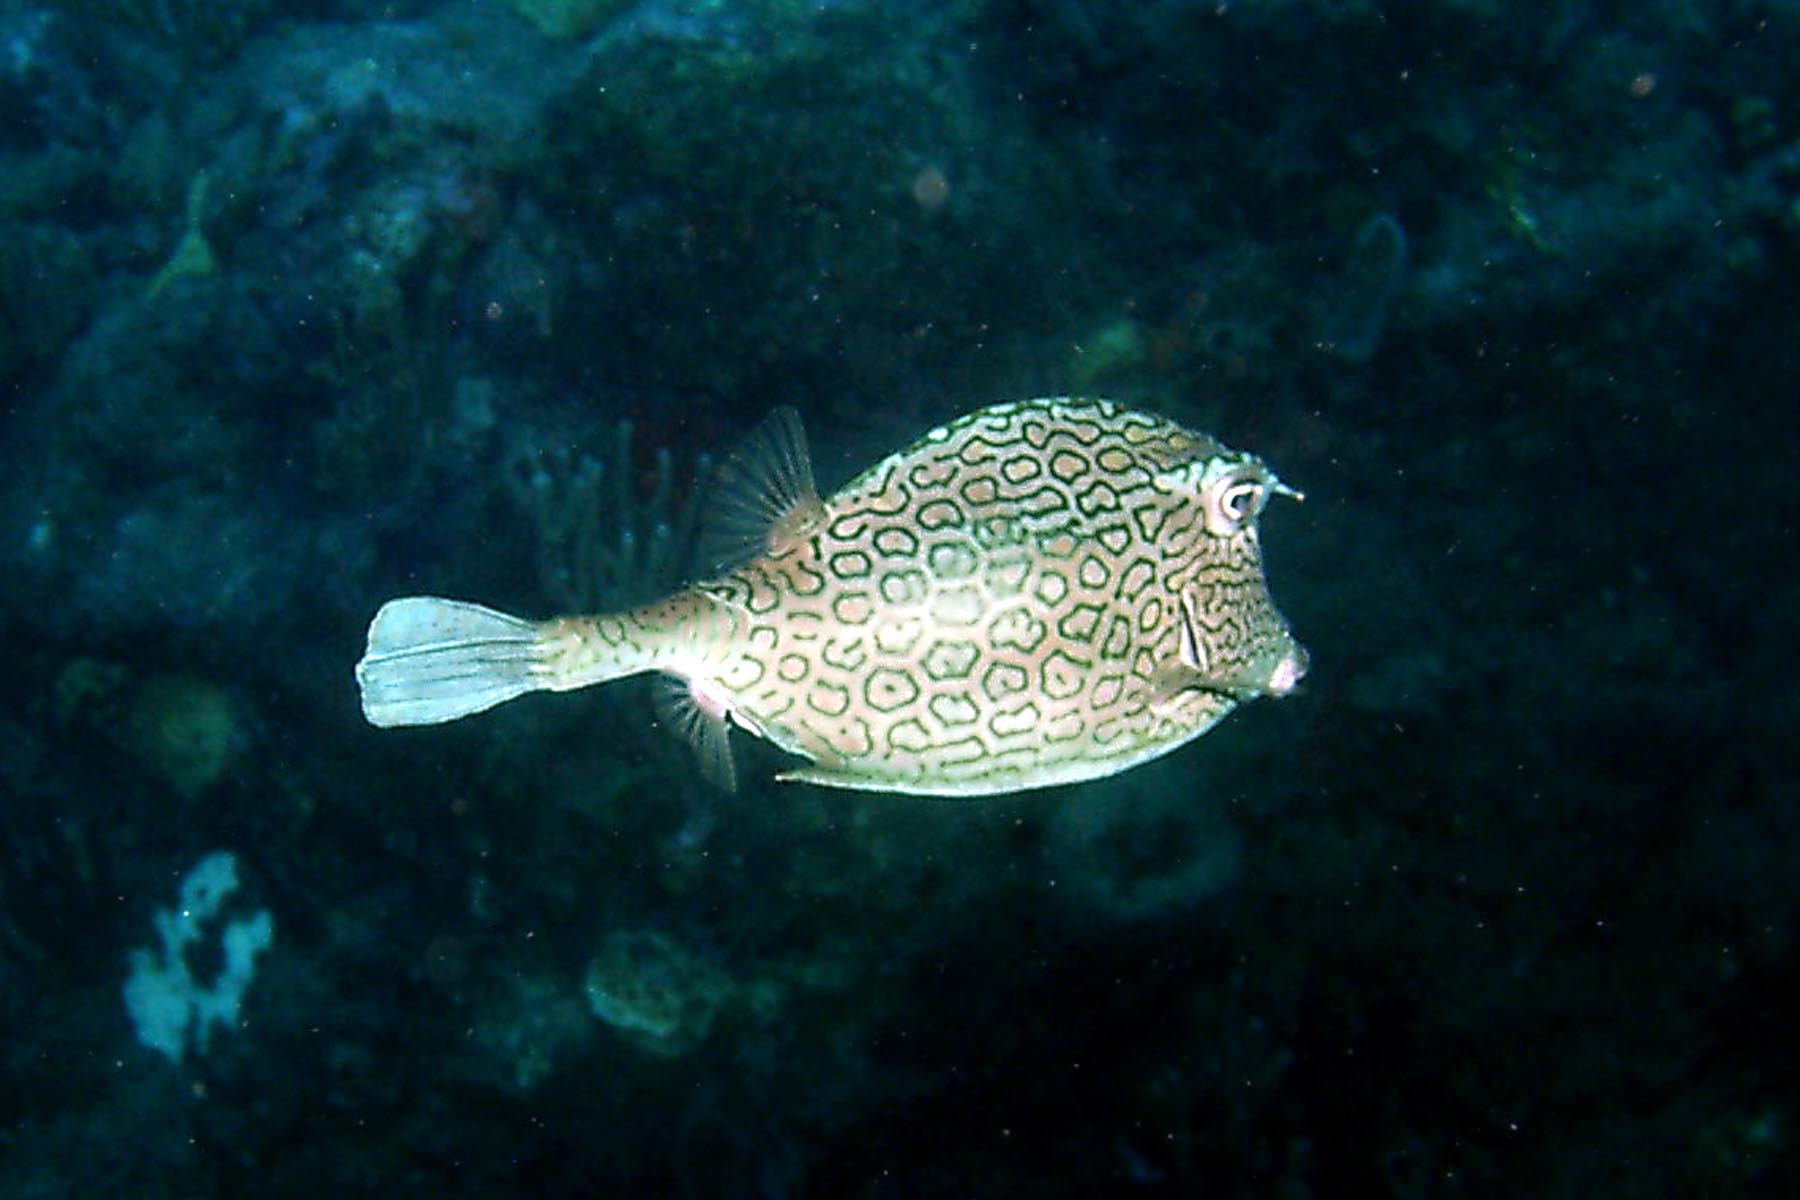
x=308, y=304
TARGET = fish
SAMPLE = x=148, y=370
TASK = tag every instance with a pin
x=1040, y=592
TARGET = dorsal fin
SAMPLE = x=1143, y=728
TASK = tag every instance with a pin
x=762, y=498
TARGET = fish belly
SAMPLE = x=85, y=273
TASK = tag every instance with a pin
x=943, y=696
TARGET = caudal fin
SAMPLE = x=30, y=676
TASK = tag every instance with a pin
x=431, y=660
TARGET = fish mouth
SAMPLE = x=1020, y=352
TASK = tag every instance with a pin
x=1277, y=671
x=1289, y=671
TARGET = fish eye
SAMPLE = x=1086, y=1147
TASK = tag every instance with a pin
x=1241, y=500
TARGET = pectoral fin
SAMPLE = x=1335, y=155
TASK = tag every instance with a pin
x=703, y=725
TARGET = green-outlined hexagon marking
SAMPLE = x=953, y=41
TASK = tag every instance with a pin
x=853, y=608
x=887, y=689
x=1021, y=720
x=953, y=709
x=940, y=514
x=1062, y=676
x=845, y=653
x=951, y=659
x=904, y=587
x=1004, y=679
x=1017, y=628
x=831, y=699
x=897, y=542
x=1080, y=623
x=851, y=564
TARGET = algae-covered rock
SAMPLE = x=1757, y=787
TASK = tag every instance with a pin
x=654, y=991
x=187, y=729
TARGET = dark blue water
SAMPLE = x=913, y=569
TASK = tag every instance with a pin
x=306, y=306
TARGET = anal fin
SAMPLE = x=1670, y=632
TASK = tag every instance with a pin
x=826, y=775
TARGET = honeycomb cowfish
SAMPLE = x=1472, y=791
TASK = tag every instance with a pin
x=1037, y=593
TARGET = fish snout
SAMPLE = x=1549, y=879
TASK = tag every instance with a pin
x=1289, y=670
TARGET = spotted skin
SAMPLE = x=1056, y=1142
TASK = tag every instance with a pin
x=1040, y=592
